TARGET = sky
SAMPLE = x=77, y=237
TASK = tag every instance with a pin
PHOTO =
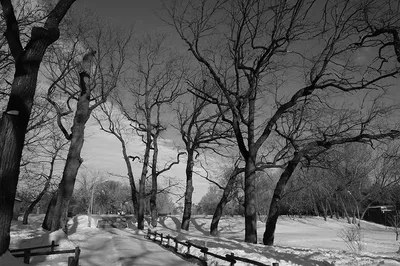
x=126, y=12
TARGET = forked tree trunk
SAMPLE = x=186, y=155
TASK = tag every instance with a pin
x=74, y=160
x=154, y=187
x=187, y=209
x=250, y=211
x=221, y=204
x=134, y=191
x=14, y=120
x=270, y=226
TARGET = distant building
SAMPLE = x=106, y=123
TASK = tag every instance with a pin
x=379, y=214
x=17, y=208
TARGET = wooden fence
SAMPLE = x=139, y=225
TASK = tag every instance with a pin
x=27, y=253
x=231, y=258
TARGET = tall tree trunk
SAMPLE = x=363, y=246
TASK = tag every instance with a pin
x=337, y=207
x=315, y=206
x=187, y=209
x=142, y=186
x=270, y=226
x=12, y=134
x=221, y=204
x=250, y=211
x=154, y=187
x=328, y=204
x=74, y=160
x=134, y=191
x=324, y=211
x=14, y=120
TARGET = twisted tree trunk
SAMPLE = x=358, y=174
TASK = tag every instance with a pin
x=74, y=160
x=221, y=204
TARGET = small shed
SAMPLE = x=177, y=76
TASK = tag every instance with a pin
x=379, y=214
x=17, y=208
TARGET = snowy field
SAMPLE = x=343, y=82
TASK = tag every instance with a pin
x=305, y=241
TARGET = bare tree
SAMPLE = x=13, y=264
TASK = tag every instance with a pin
x=47, y=156
x=270, y=59
x=15, y=119
x=156, y=83
x=200, y=127
x=113, y=122
x=99, y=74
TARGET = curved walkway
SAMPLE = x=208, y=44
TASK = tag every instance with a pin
x=120, y=247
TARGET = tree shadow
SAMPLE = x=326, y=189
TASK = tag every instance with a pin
x=199, y=227
x=72, y=228
x=176, y=221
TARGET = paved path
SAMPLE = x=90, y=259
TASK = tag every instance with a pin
x=134, y=249
x=122, y=247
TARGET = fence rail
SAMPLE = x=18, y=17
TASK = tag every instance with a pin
x=231, y=258
x=27, y=253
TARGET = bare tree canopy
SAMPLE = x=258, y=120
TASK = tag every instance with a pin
x=295, y=77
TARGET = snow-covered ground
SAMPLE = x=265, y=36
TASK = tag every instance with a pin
x=299, y=241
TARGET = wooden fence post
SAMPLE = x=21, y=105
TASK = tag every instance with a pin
x=162, y=236
x=205, y=255
x=77, y=254
x=52, y=246
x=233, y=260
x=176, y=245
x=188, y=248
x=71, y=261
x=27, y=256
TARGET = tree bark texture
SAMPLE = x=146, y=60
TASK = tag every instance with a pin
x=154, y=187
x=270, y=226
x=221, y=204
x=74, y=160
x=187, y=209
x=250, y=210
x=14, y=120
